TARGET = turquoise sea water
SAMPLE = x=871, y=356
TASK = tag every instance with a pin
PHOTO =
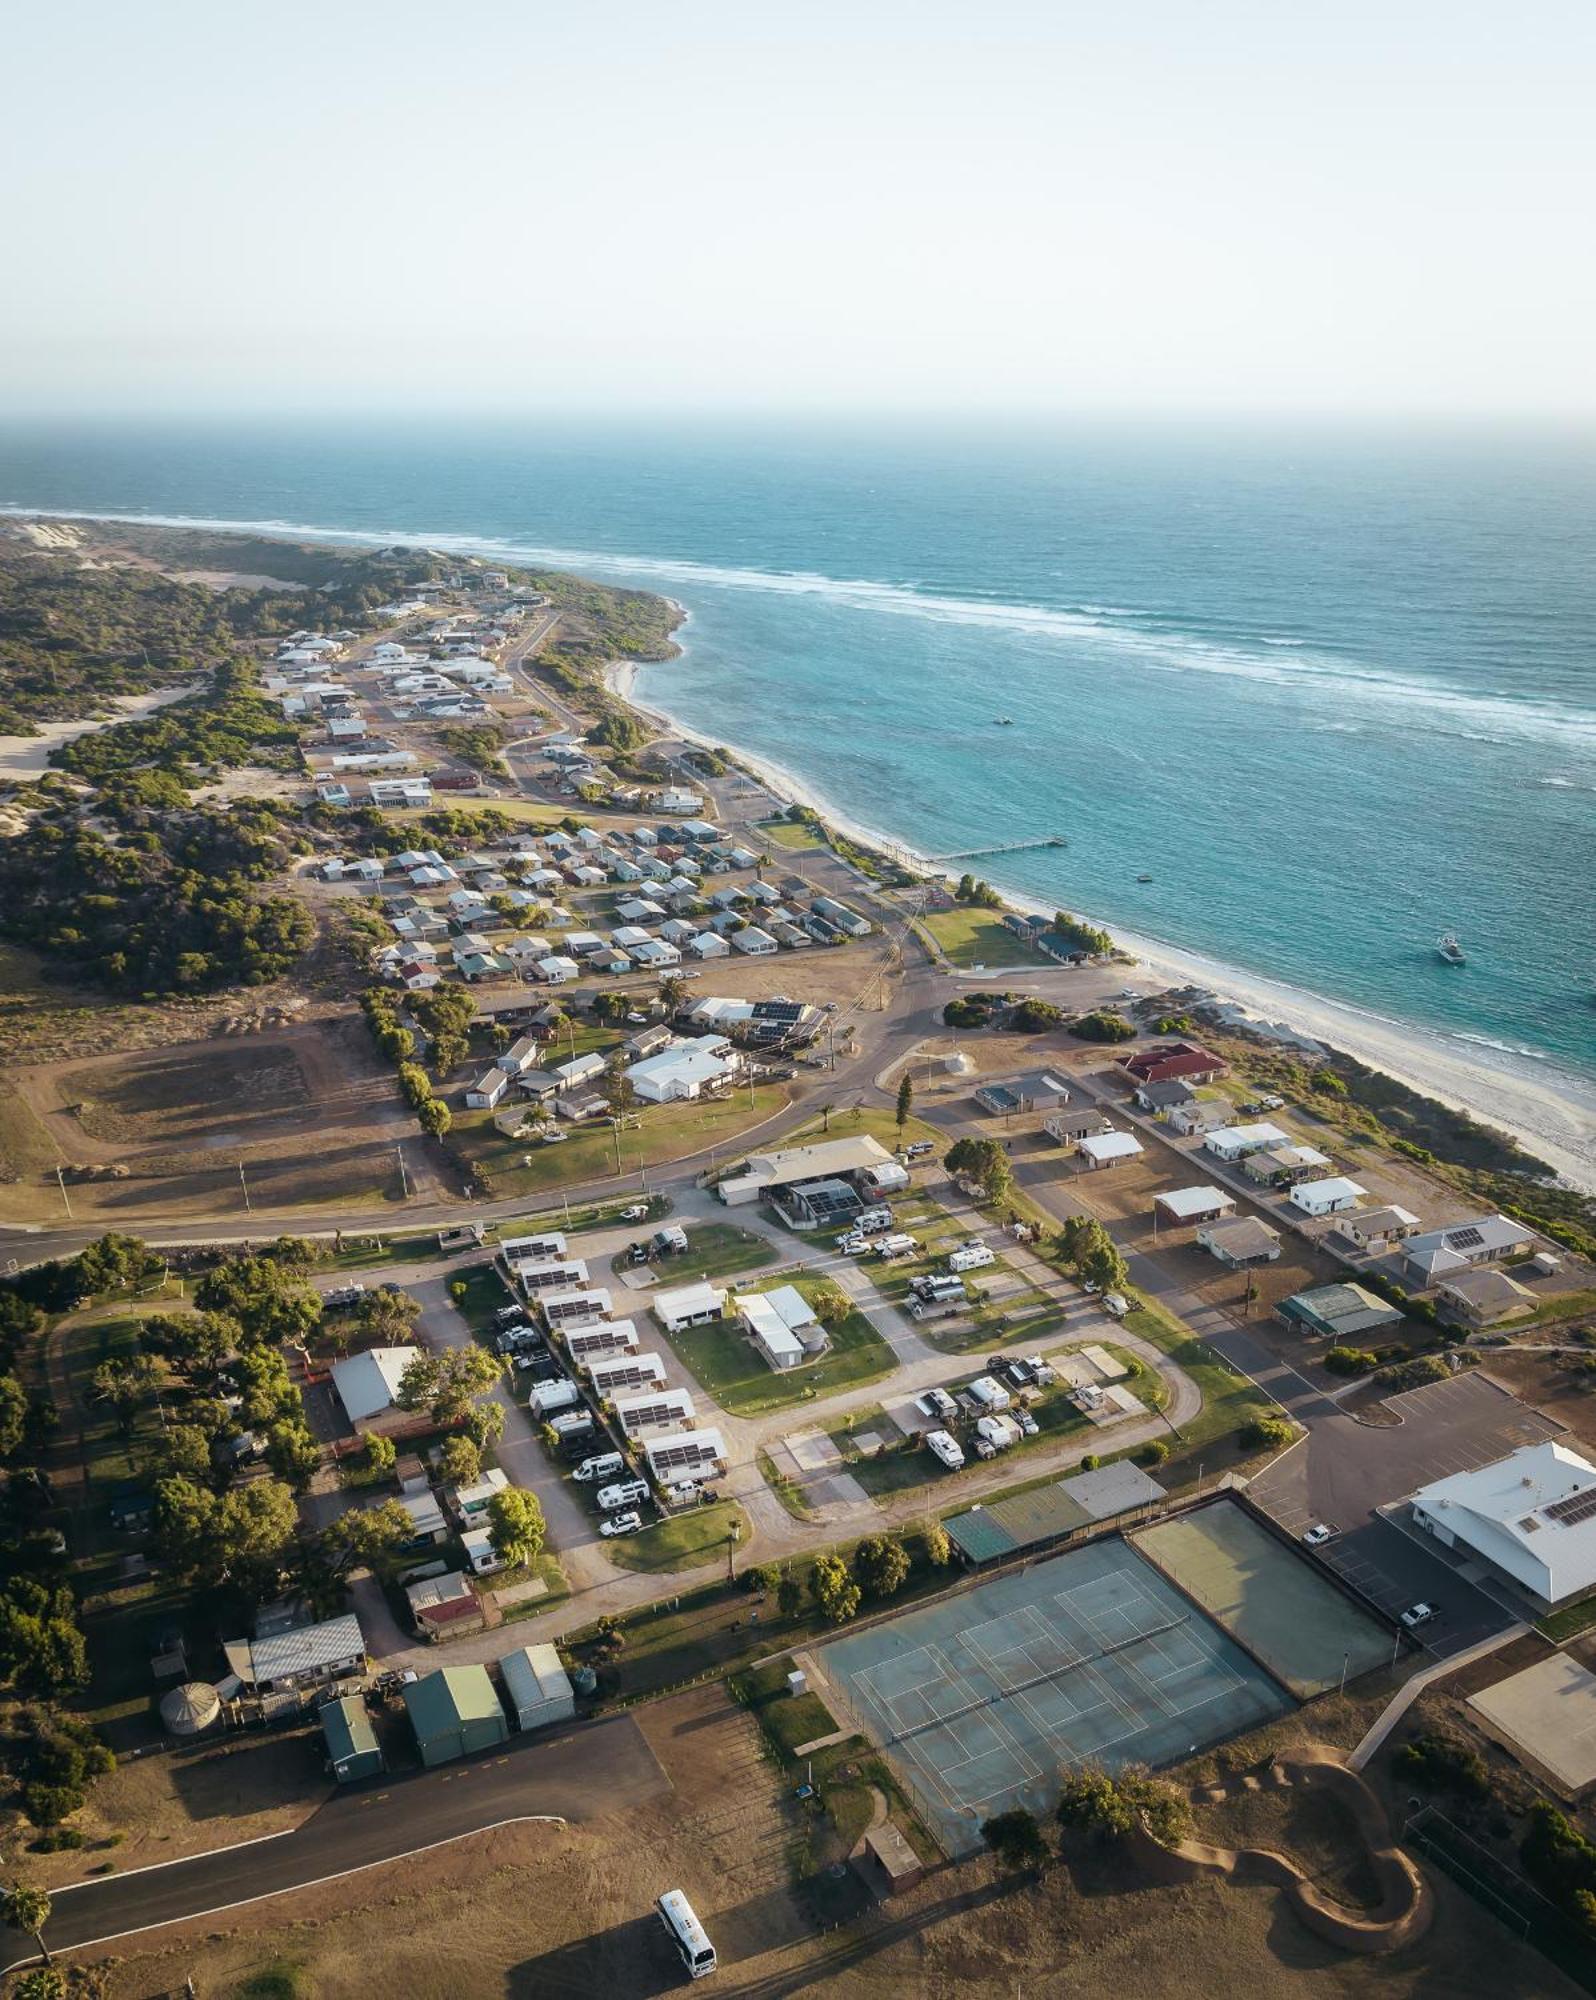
x=1336, y=692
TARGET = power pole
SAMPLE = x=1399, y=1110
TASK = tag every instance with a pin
x=60, y=1181
x=244, y=1184
x=404, y=1177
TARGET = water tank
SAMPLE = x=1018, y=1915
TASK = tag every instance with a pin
x=191, y=1709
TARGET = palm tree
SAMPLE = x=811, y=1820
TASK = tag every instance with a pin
x=825, y=1111
x=26, y=1908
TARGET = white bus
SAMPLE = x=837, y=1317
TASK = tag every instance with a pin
x=686, y=1933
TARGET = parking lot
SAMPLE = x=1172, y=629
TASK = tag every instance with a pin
x=1344, y=1472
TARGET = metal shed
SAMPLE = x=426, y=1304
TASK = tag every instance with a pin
x=538, y=1686
x=352, y=1748
x=454, y=1712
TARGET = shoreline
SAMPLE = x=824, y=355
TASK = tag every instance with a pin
x=1554, y=1119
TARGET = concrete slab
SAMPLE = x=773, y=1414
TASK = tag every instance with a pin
x=867, y=1443
x=813, y=1451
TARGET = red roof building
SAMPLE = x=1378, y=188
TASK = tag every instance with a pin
x=1183, y=1060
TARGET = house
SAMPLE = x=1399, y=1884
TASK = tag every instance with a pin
x=1069, y=1128
x=1235, y=1142
x=486, y=1092
x=470, y=1502
x=768, y=1174
x=453, y=1713
x=522, y=1054
x=653, y=1409
x=648, y=1041
x=1164, y=1095
x=1530, y=1518
x=1187, y=1062
x=1371, y=1231
x=1240, y=1242
x=445, y=1607
x=655, y=955
x=351, y=1742
x=575, y=1308
x=586, y=1344
x=476, y=966
x=1338, y=1313
x=1039, y=1090
x=538, y=1686
x=709, y=944
x=1281, y=1166
x=1108, y=1149
x=681, y=1072
x=392, y=794
x=782, y=1326
x=580, y=1069
x=427, y=1522
x=1194, y=1204
x=683, y=1456
x=1327, y=1197
x=754, y=942
x=1487, y=1240
x=285, y=1655
x=1483, y=1296
x=689, y=1305
x=840, y=916
x=368, y=1383
x=615, y=1374
x=885, y=1177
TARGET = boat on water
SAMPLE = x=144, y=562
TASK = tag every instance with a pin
x=1004, y=721
x=1144, y=878
x=1449, y=949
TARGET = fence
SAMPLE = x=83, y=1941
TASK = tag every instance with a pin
x=1509, y=1896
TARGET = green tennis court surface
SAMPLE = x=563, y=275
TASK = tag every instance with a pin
x=1274, y=1601
x=1089, y=1657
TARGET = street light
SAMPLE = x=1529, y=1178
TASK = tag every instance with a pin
x=734, y=1535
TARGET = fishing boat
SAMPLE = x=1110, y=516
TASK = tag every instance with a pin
x=1144, y=878
x=1449, y=948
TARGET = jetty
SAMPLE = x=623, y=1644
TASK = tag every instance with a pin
x=1008, y=847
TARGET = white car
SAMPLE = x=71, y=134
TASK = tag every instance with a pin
x=555, y=1138
x=622, y=1524
x=1320, y=1533
x=1418, y=1614
x=626, y=1493
x=638, y=1212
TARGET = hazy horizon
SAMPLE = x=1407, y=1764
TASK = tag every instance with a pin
x=899, y=208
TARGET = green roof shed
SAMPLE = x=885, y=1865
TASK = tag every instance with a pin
x=352, y=1748
x=454, y=1712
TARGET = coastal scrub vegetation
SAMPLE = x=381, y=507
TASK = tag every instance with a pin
x=1103, y=1024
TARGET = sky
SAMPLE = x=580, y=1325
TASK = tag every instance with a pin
x=1004, y=204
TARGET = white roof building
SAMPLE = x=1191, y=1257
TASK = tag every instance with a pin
x=368, y=1383
x=777, y=1321
x=1531, y=1516
x=1327, y=1197
x=681, y=1072
x=1235, y=1142
x=827, y=1160
x=689, y=1305
x=1195, y=1204
x=1102, y=1149
x=538, y=1686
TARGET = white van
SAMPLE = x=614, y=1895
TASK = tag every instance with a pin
x=606, y=1466
x=686, y=1933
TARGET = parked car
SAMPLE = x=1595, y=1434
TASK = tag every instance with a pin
x=604, y=1466
x=1116, y=1305
x=627, y=1493
x=1027, y=1423
x=919, y=1150
x=1417, y=1615
x=622, y=1524
x=343, y=1295
x=1320, y=1533
x=638, y=1212
x=552, y=1138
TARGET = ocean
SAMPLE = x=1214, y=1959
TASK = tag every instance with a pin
x=1334, y=690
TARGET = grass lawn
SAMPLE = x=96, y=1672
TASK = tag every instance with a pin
x=685, y=1541
x=792, y=835
x=972, y=938
x=868, y=1121
x=365, y=1253
x=1229, y=1400
x=1571, y=1305
x=1569, y=1622
x=714, y=1250
x=570, y=1221
x=725, y=1365
x=666, y=1132
x=545, y=1566
x=485, y=1293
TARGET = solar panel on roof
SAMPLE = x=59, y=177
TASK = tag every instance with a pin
x=1576, y=1508
x=1464, y=1239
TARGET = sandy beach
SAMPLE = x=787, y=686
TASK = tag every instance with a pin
x=1553, y=1116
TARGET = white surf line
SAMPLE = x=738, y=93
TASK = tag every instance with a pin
x=266, y=1895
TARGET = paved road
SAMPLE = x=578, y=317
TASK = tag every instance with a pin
x=583, y=1772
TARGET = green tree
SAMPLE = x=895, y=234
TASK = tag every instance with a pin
x=985, y=1162
x=938, y=1549
x=41, y=1646
x=515, y=1525
x=831, y=1305
x=386, y=1316
x=196, y=1344
x=1091, y=1253
x=293, y=1454
x=460, y=1462
x=27, y=1908
x=434, y=1117
x=880, y=1565
x=833, y=1589
x=1268, y=1434
x=1016, y=1838
x=905, y=1102
x=124, y=1382
x=1103, y=1024
x=13, y=1414
x=44, y=1982
x=789, y=1596
x=381, y=1454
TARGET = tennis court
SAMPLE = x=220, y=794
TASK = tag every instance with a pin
x=1273, y=1600
x=1091, y=1657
